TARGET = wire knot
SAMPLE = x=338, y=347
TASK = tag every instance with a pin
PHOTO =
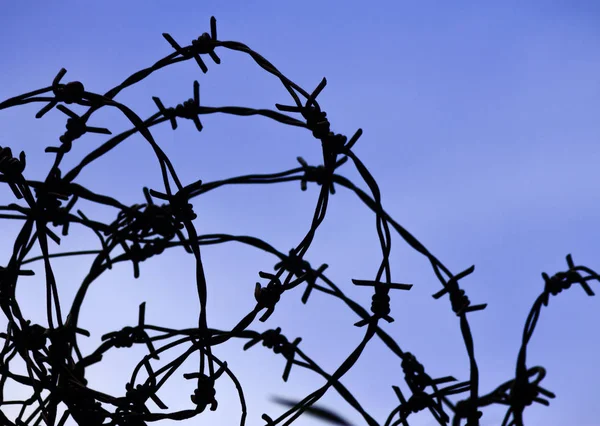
x=524, y=392
x=380, y=301
x=319, y=174
x=294, y=264
x=563, y=280
x=205, y=44
x=10, y=166
x=13, y=169
x=268, y=296
x=205, y=393
x=69, y=93
x=127, y=336
x=458, y=299
x=188, y=109
x=273, y=339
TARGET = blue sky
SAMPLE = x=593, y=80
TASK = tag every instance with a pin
x=480, y=126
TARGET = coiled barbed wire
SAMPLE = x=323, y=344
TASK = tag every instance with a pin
x=51, y=354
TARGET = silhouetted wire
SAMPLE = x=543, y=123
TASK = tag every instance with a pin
x=51, y=355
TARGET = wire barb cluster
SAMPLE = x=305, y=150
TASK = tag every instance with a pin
x=55, y=365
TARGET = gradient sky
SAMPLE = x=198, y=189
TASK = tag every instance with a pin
x=480, y=126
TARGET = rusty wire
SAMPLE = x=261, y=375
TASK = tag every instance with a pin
x=51, y=354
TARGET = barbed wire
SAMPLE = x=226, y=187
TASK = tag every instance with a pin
x=51, y=354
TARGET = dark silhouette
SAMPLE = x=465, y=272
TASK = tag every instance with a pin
x=315, y=411
x=52, y=356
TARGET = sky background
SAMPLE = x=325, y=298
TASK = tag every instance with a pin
x=480, y=126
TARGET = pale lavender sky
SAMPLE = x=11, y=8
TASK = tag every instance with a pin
x=480, y=126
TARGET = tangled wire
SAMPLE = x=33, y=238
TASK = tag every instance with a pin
x=54, y=363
